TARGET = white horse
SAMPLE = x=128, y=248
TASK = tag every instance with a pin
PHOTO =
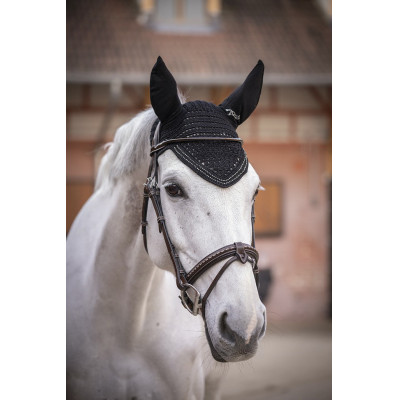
x=128, y=336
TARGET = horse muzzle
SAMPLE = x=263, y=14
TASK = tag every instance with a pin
x=232, y=338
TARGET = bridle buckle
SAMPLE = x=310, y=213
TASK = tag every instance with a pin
x=241, y=252
x=150, y=183
x=193, y=306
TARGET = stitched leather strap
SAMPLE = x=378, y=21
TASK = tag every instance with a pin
x=165, y=143
x=235, y=252
x=153, y=193
x=217, y=256
x=214, y=283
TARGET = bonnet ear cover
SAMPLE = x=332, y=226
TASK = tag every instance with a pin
x=163, y=92
x=220, y=162
x=245, y=98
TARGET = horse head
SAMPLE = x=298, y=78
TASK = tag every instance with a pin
x=203, y=191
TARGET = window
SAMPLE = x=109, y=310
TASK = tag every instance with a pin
x=185, y=16
x=268, y=209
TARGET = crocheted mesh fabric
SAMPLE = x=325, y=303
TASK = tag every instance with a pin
x=221, y=163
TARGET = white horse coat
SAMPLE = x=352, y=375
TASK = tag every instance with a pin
x=128, y=336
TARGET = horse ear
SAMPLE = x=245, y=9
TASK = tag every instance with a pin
x=163, y=92
x=244, y=99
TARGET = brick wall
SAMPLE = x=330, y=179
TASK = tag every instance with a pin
x=298, y=257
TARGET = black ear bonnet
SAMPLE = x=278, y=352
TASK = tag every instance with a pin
x=221, y=163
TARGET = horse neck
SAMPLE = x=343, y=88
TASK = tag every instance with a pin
x=123, y=272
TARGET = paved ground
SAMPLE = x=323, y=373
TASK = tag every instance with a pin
x=292, y=363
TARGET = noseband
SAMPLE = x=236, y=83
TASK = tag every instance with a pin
x=190, y=296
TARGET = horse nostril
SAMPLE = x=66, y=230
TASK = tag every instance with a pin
x=226, y=332
x=263, y=329
x=245, y=340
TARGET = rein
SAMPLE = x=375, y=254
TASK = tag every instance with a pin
x=190, y=297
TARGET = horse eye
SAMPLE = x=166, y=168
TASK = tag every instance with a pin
x=174, y=190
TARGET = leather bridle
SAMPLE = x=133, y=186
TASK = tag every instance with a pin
x=190, y=296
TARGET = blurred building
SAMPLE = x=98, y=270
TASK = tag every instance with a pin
x=210, y=46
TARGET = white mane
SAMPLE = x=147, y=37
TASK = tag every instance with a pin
x=127, y=150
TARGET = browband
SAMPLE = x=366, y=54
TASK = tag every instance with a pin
x=165, y=143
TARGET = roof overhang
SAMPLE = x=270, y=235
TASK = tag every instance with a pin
x=273, y=79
